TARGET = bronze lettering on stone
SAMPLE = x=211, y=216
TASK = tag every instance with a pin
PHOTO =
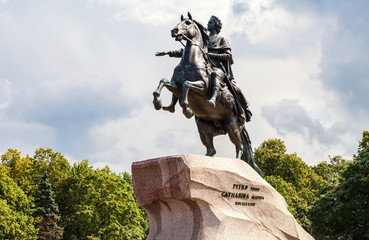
x=242, y=195
x=245, y=203
x=240, y=186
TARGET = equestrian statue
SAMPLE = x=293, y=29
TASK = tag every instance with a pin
x=204, y=85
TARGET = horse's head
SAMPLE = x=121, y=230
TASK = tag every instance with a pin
x=186, y=29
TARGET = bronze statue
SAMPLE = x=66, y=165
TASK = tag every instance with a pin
x=204, y=84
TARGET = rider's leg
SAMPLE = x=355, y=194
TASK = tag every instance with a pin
x=215, y=77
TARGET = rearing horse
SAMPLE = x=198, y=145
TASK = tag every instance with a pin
x=190, y=84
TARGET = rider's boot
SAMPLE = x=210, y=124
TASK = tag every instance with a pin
x=215, y=90
x=214, y=96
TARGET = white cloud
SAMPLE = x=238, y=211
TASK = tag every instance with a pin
x=145, y=134
x=157, y=12
x=5, y=93
x=26, y=137
x=265, y=21
x=82, y=75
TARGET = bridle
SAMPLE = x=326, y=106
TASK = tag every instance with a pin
x=206, y=57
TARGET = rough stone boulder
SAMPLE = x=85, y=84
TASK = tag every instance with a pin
x=189, y=197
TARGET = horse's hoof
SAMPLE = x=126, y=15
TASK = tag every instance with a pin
x=157, y=103
x=211, y=102
x=169, y=108
x=210, y=152
x=239, y=154
x=187, y=112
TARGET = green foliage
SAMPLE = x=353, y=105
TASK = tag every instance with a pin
x=101, y=205
x=15, y=219
x=19, y=168
x=47, y=211
x=127, y=178
x=274, y=161
x=343, y=212
x=287, y=190
x=331, y=172
x=58, y=168
x=291, y=177
x=268, y=156
x=27, y=171
x=93, y=204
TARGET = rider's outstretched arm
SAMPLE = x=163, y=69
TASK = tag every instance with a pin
x=175, y=53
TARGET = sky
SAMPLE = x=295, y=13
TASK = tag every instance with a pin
x=78, y=76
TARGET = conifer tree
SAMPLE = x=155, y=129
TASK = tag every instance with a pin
x=47, y=211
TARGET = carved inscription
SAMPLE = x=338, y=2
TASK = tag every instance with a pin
x=245, y=193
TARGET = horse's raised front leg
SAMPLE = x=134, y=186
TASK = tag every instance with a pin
x=197, y=86
x=172, y=87
x=157, y=101
x=171, y=108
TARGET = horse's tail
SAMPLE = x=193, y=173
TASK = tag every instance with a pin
x=248, y=155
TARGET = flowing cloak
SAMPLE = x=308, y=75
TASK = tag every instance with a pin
x=220, y=45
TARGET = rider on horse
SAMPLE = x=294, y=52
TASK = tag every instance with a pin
x=199, y=81
x=220, y=56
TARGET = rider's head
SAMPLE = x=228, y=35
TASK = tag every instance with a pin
x=215, y=23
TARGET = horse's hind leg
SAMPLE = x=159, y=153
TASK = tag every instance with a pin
x=206, y=130
x=234, y=132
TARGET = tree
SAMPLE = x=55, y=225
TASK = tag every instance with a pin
x=268, y=156
x=15, y=219
x=343, y=212
x=19, y=168
x=273, y=160
x=301, y=180
x=287, y=190
x=57, y=166
x=99, y=204
x=27, y=171
x=47, y=211
x=331, y=172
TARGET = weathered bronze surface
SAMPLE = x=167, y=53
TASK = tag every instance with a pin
x=203, y=83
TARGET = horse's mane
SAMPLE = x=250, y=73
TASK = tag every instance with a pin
x=203, y=30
